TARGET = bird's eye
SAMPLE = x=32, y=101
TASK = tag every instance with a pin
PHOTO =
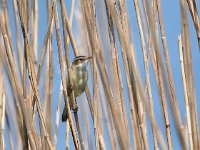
x=80, y=60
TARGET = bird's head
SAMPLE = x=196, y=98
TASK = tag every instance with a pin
x=81, y=61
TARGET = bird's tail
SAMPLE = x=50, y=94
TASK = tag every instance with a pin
x=64, y=115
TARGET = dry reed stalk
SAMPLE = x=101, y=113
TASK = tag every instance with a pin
x=159, y=73
x=25, y=87
x=174, y=101
x=128, y=80
x=17, y=118
x=102, y=142
x=7, y=24
x=89, y=144
x=151, y=53
x=116, y=72
x=152, y=118
x=93, y=37
x=10, y=61
x=146, y=66
x=26, y=15
x=101, y=129
x=147, y=60
x=47, y=92
x=66, y=43
x=188, y=118
x=31, y=71
x=61, y=61
x=137, y=143
x=187, y=57
x=109, y=126
x=139, y=84
x=34, y=30
x=98, y=126
x=48, y=82
x=95, y=98
x=66, y=38
x=2, y=105
x=194, y=13
x=95, y=108
x=55, y=135
x=60, y=97
x=24, y=84
x=67, y=135
x=11, y=143
x=19, y=49
x=2, y=121
x=138, y=92
x=79, y=131
x=151, y=56
x=3, y=115
x=47, y=38
x=45, y=42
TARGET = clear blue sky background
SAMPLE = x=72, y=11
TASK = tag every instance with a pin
x=172, y=22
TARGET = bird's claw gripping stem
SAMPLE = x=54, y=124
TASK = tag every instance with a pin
x=75, y=108
x=72, y=88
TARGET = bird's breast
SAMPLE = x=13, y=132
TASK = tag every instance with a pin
x=80, y=82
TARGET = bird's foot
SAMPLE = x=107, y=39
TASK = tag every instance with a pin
x=75, y=108
x=71, y=88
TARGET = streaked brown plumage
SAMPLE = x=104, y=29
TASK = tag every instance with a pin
x=79, y=76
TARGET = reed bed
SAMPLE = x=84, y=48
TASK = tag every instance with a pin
x=130, y=102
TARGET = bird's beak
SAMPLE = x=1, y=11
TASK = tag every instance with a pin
x=90, y=57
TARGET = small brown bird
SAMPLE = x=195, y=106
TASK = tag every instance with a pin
x=79, y=77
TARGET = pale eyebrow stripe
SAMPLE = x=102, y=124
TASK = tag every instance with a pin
x=78, y=57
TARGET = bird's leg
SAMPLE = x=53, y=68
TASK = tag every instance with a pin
x=71, y=88
x=75, y=106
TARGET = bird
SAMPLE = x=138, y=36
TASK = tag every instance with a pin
x=79, y=77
